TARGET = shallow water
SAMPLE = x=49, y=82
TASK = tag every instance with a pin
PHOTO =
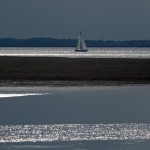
x=69, y=52
x=96, y=117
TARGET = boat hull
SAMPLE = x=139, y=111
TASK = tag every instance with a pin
x=81, y=50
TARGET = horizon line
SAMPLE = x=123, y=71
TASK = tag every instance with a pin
x=72, y=39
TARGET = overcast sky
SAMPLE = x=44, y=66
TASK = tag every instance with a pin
x=97, y=19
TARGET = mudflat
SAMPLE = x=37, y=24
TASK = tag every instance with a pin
x=74, y=69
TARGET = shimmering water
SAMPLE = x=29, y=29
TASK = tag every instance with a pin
x=66, y=118
x=74, y=132
x=69, y=52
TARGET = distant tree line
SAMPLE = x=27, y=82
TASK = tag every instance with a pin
x=52, y=42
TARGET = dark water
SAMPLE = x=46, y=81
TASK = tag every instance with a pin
x=102, y=117
x=80, y=145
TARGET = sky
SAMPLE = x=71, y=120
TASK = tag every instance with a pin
x=97, y=19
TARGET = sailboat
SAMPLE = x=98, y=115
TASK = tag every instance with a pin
x=81, y=46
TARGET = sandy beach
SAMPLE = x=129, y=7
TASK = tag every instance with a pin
x=33, y=69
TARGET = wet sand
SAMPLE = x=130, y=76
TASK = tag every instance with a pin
x=47, y=69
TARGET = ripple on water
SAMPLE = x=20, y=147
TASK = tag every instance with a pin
x=69, y=52
x=73, y=132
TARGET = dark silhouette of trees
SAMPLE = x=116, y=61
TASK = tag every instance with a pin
x=52, y=42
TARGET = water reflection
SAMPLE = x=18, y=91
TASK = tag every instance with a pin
x=19, y=95
x=69, y=52
x=74, y=132
x=96, y=117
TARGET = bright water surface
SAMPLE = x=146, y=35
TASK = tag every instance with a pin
x=69, y=52
x=79, y=118
x=99, y=117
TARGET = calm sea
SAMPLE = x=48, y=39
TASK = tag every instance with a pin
x=75, y=118
x=69, y=52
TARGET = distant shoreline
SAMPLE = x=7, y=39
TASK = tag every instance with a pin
x=57, y=71
x=53, y=42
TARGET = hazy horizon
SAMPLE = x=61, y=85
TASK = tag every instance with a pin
x=97, y=19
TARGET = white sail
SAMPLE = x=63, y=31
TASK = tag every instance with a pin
x=81, y=46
